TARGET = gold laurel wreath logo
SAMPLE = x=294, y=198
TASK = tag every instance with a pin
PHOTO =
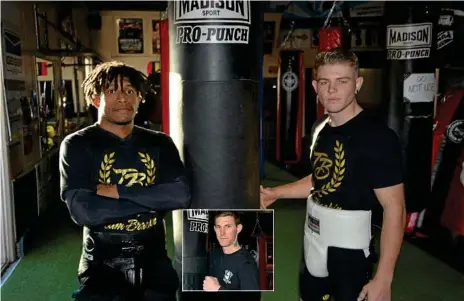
x=338, y=173
x=150, y=166
x=105, y=168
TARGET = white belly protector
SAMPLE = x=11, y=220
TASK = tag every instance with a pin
x=327, y=227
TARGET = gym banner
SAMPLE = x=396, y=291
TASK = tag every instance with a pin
x=191, y=13
x=42, y=69
x=445, y=38
x=409, y=41
x=290, y=102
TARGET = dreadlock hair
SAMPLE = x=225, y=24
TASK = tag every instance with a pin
x=104, y=74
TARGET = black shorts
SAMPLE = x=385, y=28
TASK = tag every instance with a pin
x=349, y=271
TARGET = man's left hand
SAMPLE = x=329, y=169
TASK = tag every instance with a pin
x=211, y=284
x=376, y=290
x=110, y=191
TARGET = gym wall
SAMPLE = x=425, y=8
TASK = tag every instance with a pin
x=105, y=40
x=67, y=74
x=14, y=16
x=271, y=61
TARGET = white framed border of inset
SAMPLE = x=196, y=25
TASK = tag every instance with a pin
x=207, y=235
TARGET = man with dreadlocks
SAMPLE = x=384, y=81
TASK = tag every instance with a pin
x=118, y=181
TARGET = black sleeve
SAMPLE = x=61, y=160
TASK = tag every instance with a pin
x=78, y=191
x=249, y=276
x=210, y=263
x=384, y=160
x=170, y=190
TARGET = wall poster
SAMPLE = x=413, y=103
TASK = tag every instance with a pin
x=156, y=36
x=130, y=37
x=14, y=83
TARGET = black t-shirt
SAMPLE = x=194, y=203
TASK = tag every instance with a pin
x=146, y=168
x=236, y=271
x=349, y=161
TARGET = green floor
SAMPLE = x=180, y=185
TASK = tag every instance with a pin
x=47, y=273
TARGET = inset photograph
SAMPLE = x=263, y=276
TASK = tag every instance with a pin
x=228, y=250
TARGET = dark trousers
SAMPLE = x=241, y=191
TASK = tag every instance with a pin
x=349, y=271
x=119, y=268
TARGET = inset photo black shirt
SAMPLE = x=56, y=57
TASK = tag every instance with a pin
x=236, y=271
x=349, y=161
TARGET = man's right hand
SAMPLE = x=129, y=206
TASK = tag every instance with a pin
x=110, y=191
x=268, y=196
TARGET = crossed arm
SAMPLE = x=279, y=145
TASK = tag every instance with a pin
x=92, y=205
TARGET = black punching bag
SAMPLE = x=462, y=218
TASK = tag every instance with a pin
x=195, y=242
x=411, y=48
x=214, y=109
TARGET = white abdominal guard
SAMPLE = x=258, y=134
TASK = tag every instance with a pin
x=327, y=227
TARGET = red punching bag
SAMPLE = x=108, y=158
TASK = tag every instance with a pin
x=329, y=38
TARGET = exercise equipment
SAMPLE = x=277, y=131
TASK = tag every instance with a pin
x=195, y=254
x=330, y=37
x=412, y=86
x=214, y=70
x=214, y=111
x=290, y=106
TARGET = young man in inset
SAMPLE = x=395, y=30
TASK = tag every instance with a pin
x=355, y=165
x=232, y=267
x=118, y=182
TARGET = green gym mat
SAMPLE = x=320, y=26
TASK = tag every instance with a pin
x=48, y=271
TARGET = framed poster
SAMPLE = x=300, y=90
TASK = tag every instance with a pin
x=156, y=36
x=130, y=37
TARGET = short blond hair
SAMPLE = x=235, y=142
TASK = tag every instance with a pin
x=337, y=55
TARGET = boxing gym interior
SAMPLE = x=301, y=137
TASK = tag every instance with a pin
x=240, y=107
